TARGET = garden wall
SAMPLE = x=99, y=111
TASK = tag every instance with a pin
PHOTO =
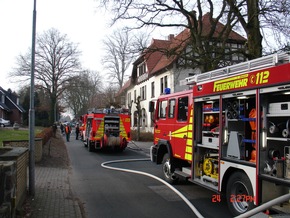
x=25, y=143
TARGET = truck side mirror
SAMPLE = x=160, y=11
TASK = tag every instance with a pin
x=151, y=106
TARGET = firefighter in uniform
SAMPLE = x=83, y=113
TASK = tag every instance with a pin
x=67, y=132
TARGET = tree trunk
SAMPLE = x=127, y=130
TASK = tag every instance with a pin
x=52, y=111
x=138, y=127
x=253, y=30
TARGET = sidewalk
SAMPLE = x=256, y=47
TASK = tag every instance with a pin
x=53, y=196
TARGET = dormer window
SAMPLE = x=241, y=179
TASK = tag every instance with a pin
x=3, y=99
x=141, y=69
x=17, y=101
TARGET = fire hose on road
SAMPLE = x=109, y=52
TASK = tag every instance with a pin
x=105, y=165
x=190, y=205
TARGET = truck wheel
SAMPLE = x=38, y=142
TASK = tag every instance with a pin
x=239, y=194
x=168, y=170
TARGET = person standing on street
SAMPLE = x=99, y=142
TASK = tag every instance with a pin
x=67, y=132
x=62, y=128
x=77, y=131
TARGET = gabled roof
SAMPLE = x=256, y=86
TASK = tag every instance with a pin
x=124, y=87
x=180, y=41
x=154, y=53
x=12, y=97
x=219, y=28
x=156, y=57
x=4, y=107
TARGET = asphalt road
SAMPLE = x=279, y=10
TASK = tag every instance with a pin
x=107, y=193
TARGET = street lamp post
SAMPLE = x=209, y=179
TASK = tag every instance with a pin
x=32, y=111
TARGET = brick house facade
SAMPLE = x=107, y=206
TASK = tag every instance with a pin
x=154, y=71
x=10, y=108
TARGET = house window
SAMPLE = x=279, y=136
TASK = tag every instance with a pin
x=235, y=57
x=143, y=93
x=135, y=95
x=152, y=90
x=135, y=122
x=227, y=56
x=141, y=69
x=3, y=98
x=163, y=84
x=129, y=98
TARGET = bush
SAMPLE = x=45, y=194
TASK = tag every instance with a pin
x=45, y=134
x=144, y=136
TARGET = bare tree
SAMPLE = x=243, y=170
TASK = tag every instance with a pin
x=80, y=93
x=108, y=97
x=56, y=65
x=120, y=49
x=263, y=20
x=200, y=39
x=254, y=16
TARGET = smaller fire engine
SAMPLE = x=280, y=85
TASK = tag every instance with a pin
x=106, y=128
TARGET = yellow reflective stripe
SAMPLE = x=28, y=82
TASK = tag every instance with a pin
x=190, y=120
x=100, y=130
x=188, y=149
x=191, y=116
x=181, y=130
x=188, y=157
x=122, y=129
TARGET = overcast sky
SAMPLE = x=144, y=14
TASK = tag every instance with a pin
x=79, y=19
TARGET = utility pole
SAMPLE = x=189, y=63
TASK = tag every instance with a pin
x=32, y=111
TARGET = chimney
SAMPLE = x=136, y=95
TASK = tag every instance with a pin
x=170, y=37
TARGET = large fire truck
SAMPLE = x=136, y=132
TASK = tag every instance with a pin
x=230, y=133
x=106, y=128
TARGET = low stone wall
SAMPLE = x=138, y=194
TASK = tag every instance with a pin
x=19, y=179
x=25, y=143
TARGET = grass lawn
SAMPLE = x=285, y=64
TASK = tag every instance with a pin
x=7, y=134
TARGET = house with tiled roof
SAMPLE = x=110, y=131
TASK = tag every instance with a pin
x=154, y=70
x=10, y=108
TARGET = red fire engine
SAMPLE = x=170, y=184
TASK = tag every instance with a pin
x=83, y=126
x=108, y=128
x=230, y=133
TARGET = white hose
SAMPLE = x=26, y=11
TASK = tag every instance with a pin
x=104, y=164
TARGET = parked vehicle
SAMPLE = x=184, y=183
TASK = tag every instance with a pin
x=109, y=128
x=230, y=133
x=4, y=123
